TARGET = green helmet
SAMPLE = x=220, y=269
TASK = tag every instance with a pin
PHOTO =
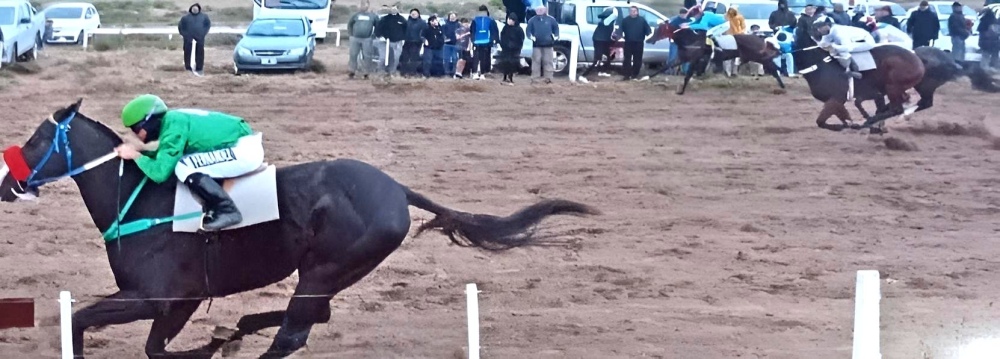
x=141, y=108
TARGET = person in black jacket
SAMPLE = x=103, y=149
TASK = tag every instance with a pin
x=781, y=17
x=413, y=41
x=511, y=41
x=392, y=28
x=923, y=25
x=884, y=15
x=602, y=40
x=635, y=29
x=958, y=32
x=194, y=27
x=989, y=38
x=433, y=46
x=802, y=38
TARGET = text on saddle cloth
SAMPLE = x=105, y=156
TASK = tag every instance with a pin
x=255, y=195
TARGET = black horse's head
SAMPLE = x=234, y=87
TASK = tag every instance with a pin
x=65, y=136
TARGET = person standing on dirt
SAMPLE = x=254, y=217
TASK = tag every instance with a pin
x=433, y=45
x=958, y=32
x=802, y=38
x=635, y=29
x=392, y=28
x=511, y=41
x=361, y=28
x=193, y=27
x=485, y=35
x=414, y=41
x=450, y=42
x=543, y=30
x=923, y=25
x=602, y=40
x=989, y=40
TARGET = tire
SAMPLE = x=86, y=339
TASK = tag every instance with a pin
x=14, y=56
x=320, y=40
x=236, y=70
x=79, y=38
x=560, y=59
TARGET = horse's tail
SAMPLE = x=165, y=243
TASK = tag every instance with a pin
x=981, y=80
x=491, y=232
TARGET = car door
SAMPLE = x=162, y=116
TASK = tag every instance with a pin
x=24, y=36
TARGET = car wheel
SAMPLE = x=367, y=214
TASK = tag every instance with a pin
x=560, y=59
x=14, y=56
x=320, y=40
x=236, y=70
x=79, y=38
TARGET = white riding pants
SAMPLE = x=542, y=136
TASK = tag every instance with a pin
x=244, y=157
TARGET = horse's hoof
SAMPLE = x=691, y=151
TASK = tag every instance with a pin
x=855, y=126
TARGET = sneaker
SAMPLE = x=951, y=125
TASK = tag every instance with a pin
x=793, y=76
x=603, y=74
x=199, y=73
x=350, y=75
x=583, y=80
x=644, y=78
x=457, y=76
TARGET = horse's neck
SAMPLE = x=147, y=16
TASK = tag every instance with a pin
x=99, y=188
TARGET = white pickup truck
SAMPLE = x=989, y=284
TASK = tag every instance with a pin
x=22, y=28
x=578, y=18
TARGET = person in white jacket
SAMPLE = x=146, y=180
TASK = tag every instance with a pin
x=888, y=34
x=843, y=41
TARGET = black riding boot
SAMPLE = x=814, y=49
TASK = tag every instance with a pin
x=220, y=211
x=853, y=71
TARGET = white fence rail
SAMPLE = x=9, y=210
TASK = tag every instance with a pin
x=170, y=31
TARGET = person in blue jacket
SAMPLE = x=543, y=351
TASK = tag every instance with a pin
x=702, y=21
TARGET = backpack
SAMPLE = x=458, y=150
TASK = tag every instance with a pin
x=481, y=34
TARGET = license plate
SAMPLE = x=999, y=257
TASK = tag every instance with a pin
x=268, y=61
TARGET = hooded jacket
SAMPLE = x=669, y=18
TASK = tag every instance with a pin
x=606, y=24
x=989, y=40
x=956, y=26
x=194, y=26
x=781, y=17
x=512, y=37
x=415, y=29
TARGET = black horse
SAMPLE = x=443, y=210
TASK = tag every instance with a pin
x=339, y=220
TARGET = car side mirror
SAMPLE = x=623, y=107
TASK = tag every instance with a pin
x=312, y=34
x=26, y=20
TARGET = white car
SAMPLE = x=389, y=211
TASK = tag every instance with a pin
x=22, y=30
x=70, y=21
x=943, y=10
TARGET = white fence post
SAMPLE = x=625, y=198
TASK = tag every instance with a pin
x=472, y=302
x=866, y=316
x=66, y=323
x=574, y=55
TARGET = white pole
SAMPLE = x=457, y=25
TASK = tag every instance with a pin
x=472, y=302
x=66, y=323
x=84, y=42
x=574, y=54
x=866, y=316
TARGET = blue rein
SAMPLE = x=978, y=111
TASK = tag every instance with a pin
x=61, y=137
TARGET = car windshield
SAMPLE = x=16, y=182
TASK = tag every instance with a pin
x=296, y=4
x=6, y=16
x=798, y=4
x=756, y=11
x=64, y=13
x=276, y=27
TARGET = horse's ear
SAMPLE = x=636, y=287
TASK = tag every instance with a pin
x=76, y=106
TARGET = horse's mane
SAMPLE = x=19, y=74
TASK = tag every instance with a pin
x=100, y=127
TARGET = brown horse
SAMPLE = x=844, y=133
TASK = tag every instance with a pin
x=694, y=48
x=897, y=70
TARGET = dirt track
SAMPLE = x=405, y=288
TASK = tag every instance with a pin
x=728, y=231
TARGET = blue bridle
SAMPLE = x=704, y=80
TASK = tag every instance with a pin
x=61, y=137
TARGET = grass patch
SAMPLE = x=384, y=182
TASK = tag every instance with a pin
x=24, y=68
x=138, y=12
x=118, y=42
x=222, y=40
x=98, y=61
